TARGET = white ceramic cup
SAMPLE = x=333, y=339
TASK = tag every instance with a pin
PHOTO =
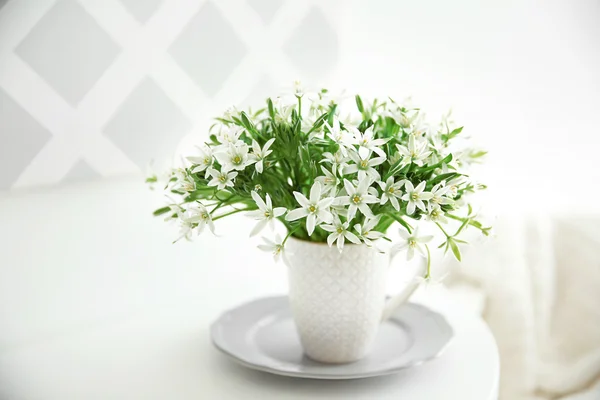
x=338, y=300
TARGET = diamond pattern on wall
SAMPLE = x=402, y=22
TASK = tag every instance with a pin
x=313, y=47
x=208, y=49
x=22, y=138
x=81, y=172
x=141, y=10
x=263, y=89
x=147, y=125
x=94, y=54
x=266, y=9
x=69, y=50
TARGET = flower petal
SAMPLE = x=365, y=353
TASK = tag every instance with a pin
x=325, y=216
x=301, y=199
x=370, y=199
x=310, y=223
x=259, y=227
x=259, y=202
x=351, y=212
x=340, y=243
x=315, y=193
x=366, y=210
x=331, y=238
x=296, y=214
x=349, y=187
x=395, y=203
x=279, y=211
x=352, y=237
x=328, y=228
x=325, y=203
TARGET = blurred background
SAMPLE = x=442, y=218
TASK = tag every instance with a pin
x=94, y=91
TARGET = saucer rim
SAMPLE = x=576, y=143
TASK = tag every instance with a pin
x=445, y=328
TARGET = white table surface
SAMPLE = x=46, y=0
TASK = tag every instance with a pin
x=96, y=303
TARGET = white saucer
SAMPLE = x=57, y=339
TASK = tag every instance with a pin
x=261, y=335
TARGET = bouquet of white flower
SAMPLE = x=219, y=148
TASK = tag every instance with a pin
x=328, y=176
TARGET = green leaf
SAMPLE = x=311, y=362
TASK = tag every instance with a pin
x=331, y=114
x=445, y=160
x=359, y=104
x=161, y=211
x=452, y=134
x=401, y=222
x=455, y=249
x=318, y=123
x=443, y=177
x=478, y=154
x=462, y=226
x=271, y=109
x=247, y=123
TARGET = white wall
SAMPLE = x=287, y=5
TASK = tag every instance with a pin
x=522, y=76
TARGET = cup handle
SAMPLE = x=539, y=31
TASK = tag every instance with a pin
x=396, y=301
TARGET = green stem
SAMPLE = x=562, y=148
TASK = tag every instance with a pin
x=402, y=222
x=230, y=213
x=470, y=221
x=428, y=274
x=289, y=234
x=445, y=233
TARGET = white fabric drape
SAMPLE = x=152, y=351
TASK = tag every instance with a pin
x=540, y=281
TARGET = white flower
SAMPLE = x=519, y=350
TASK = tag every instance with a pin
x=328, y=181
x=437, y=146
x=415, y=196
x=185, y=231
x=314, y=209
x=229, y=134
x=235, y=157
x=276, y=248
x=438, y=194
x=358, y=198
x=339, y=232
x=391, y=191
x=230, y=112
x=184, y=182
x=435, y=214
x=284, y=107
x=298, y=88
x=400, y=115
x=198, y=214
x=342, y=138
x=221, y=179
x=394, y=158
x=337, y=159
x=415, y=152
x=203, y=160
x=453, y=186
x=258, y=154
x=176, y=212
x=367, y=143
x=265, y=213
x=413, y=242
x=366, y=232
x=364, y=166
